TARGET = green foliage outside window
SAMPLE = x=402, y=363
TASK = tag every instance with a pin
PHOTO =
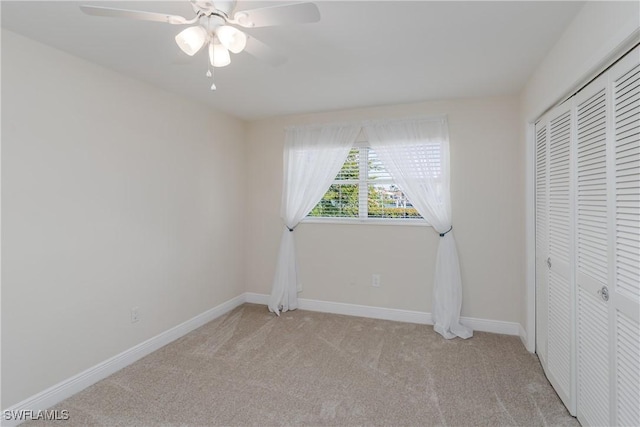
x=341, y=200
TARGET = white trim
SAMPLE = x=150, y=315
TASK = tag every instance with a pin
x=493, y=326
x=254, y=298
x=79, y=382
x=397, y=315
x=409, y=316
x=419, y=222
x=530, y=241
x=524, y=338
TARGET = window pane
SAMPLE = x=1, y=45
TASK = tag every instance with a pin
x=376, y=169
x=350, y=170
x=387, y=201
x=383, y=199
x=340, y=201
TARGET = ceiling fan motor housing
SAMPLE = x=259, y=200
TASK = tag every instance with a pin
x=206, y=7
x=212, y=23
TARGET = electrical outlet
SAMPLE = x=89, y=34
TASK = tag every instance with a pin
x=375, y=280
x=135, y=314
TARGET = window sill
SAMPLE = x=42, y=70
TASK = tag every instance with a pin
x=358, y=221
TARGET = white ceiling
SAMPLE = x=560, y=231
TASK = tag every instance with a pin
x=361, y=53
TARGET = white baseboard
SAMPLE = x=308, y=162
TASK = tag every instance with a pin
x=253, y=298
x=494, y=326
x=409, y=316
x=525, y=340
x=73, y=385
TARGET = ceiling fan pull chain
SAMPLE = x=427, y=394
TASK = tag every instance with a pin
x=210, y=64
x=209, y=70
x=210, y=75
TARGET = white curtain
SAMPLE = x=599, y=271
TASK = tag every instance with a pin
x=313, y=156
x=416, y=154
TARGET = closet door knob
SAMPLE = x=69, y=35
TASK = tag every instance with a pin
x=604, y=293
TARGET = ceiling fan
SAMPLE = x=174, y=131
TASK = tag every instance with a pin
x=214, y=25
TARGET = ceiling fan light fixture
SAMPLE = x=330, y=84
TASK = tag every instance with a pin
x=218, y=55
x=191, y=40
x=232, y=38
x=213, y=25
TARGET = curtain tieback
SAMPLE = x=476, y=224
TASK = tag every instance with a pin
x=291, y=229
x=441, y=234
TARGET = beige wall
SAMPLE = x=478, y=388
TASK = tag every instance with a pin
x=336, y=261
x=115, y=194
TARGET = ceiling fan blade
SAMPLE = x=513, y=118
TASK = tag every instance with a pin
x=297, y=13
x=263, y=52
x=134, y=14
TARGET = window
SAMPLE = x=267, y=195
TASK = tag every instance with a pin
x=364, y=190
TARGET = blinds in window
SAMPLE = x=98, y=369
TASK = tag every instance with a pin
x=364, y=190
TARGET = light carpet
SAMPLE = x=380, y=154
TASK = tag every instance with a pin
x=250, y=367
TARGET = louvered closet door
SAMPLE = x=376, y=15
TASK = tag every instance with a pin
x=625, y=187
x=541, y=239
x=560, y=318
x=592, y=255
x=588, y=225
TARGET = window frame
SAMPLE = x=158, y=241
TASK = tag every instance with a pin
x=363, y=197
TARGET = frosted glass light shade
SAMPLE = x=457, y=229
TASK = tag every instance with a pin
x=232, y=38
x=191, y=39
x=219, y=55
